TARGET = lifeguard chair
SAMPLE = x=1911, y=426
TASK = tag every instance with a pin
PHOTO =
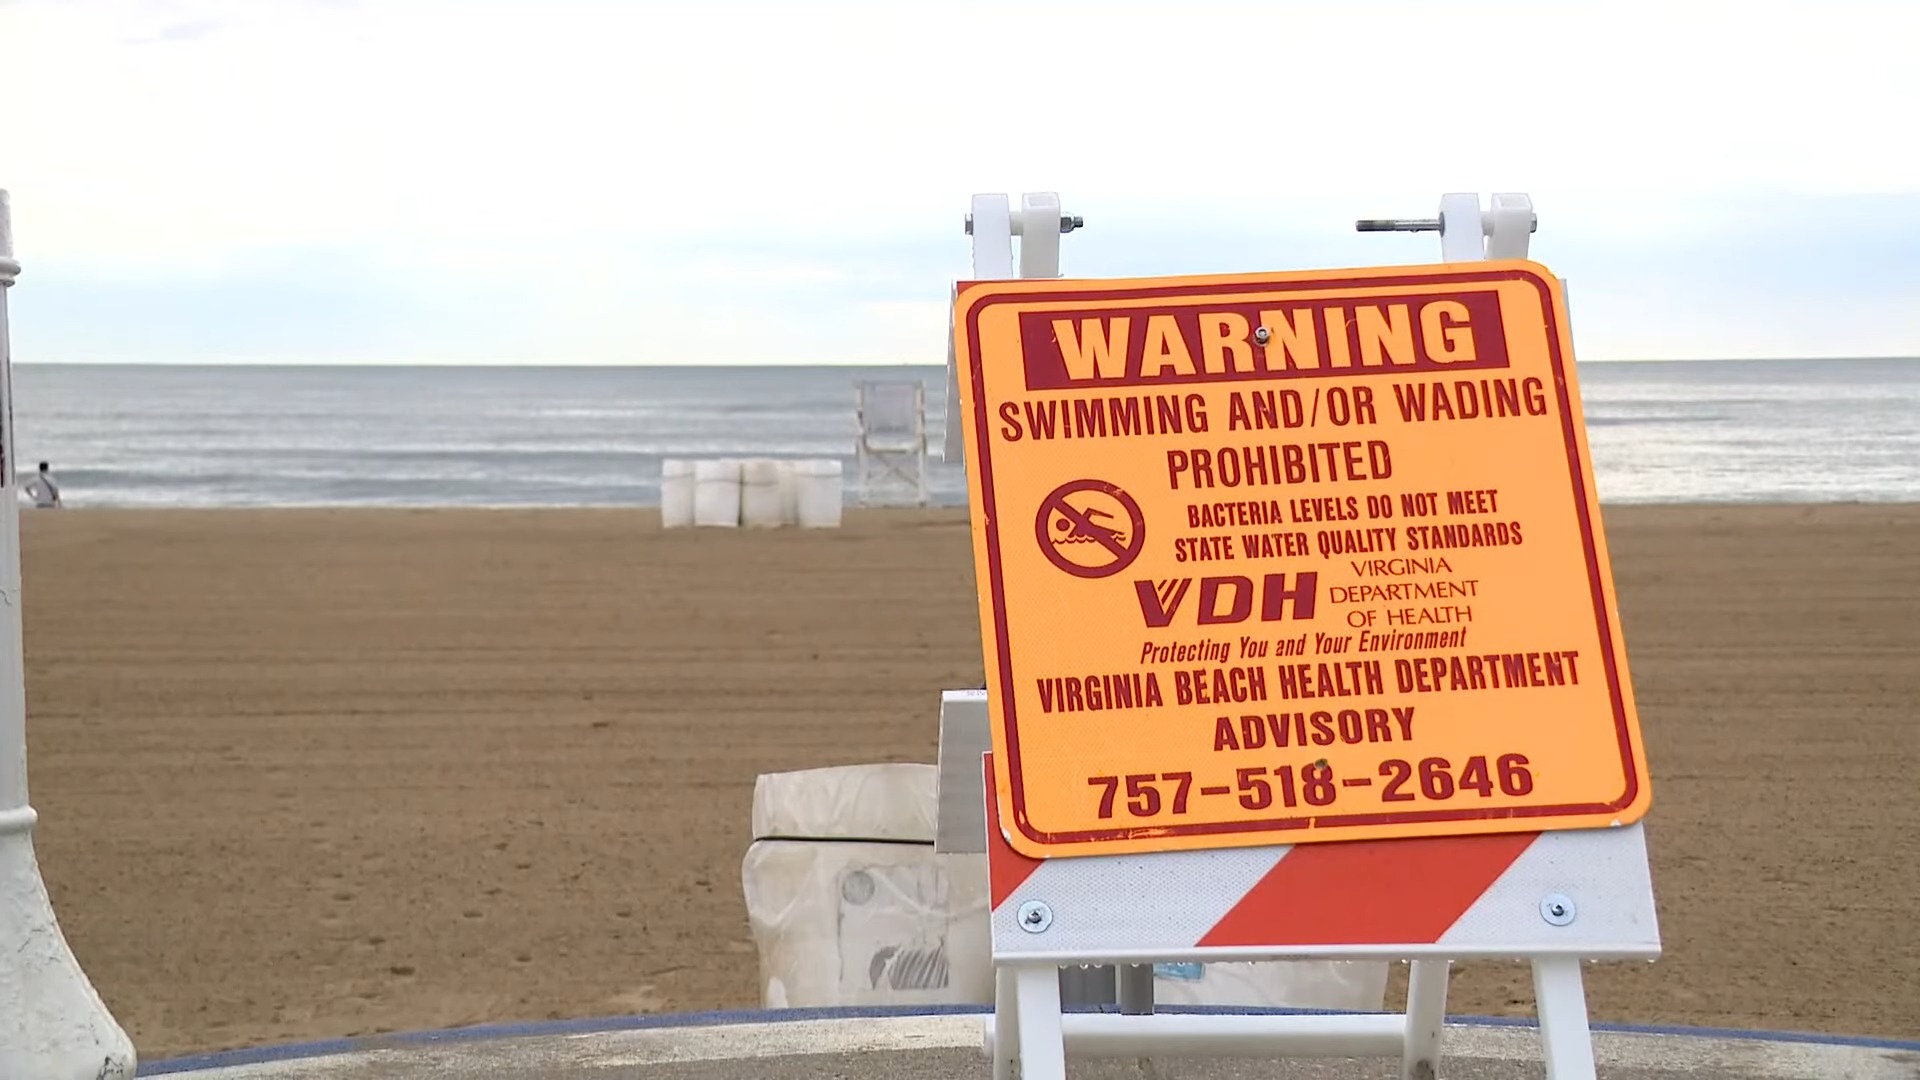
x=891, y=453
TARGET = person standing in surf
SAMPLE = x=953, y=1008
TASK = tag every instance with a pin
x=42, y=490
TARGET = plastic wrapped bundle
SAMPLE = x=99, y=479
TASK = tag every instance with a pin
x=849, y=904
x=819, y=498
x=789, y=495
x=843, y=923
x=676, y=493
x=760, y=505
x=716, y=493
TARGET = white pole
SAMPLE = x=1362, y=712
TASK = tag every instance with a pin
x=53, y=1026
x=14, y=812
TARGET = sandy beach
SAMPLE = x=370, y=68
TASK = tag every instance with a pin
x=312, y=774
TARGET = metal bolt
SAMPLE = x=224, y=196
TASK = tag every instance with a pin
x=1262, y=335
x=1035, y=917
x=1397, y=225
x=1416, y=225
x=1557, y=909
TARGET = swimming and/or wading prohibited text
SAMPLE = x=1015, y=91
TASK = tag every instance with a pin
x=1288, y=558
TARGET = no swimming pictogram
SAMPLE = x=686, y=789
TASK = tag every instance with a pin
x=1090, y=528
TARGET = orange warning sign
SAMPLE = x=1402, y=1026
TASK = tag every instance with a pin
x=1291, y=557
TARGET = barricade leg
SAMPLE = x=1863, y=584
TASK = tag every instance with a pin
x=1040, y=1041
x=1006, y=1022
x=1426, y=1014
x=1561, y=997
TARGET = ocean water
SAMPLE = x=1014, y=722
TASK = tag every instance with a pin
x=1709, y=431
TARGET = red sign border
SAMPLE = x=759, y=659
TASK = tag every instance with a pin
x=997, y=585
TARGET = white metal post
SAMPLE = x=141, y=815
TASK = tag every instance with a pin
x=53, y=1026
x=1463, y=236
x=1003, y=1030
x=1508, y=223
x=1566, y=1040
x=993, y=224
x=1043, y=1046
x=1038, y=227
x=990, y=223
x=1426, y=1017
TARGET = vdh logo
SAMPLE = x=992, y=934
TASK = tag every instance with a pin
x=1227, y=599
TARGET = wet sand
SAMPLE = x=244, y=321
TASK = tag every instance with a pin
x=313, y=774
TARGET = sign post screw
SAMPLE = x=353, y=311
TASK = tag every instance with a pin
x=1035, y=917
x=1557, y=909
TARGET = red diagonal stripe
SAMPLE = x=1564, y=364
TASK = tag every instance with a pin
x=1368, y=892
x=1006, y=868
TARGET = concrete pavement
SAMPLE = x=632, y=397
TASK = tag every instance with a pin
x=876, y=1044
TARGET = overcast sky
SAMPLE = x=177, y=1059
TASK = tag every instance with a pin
x=567, y=181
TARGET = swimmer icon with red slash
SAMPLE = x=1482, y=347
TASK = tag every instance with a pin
x=1090, y=528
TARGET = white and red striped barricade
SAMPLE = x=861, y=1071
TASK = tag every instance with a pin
x=1551, y=899
x=1464, y=798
